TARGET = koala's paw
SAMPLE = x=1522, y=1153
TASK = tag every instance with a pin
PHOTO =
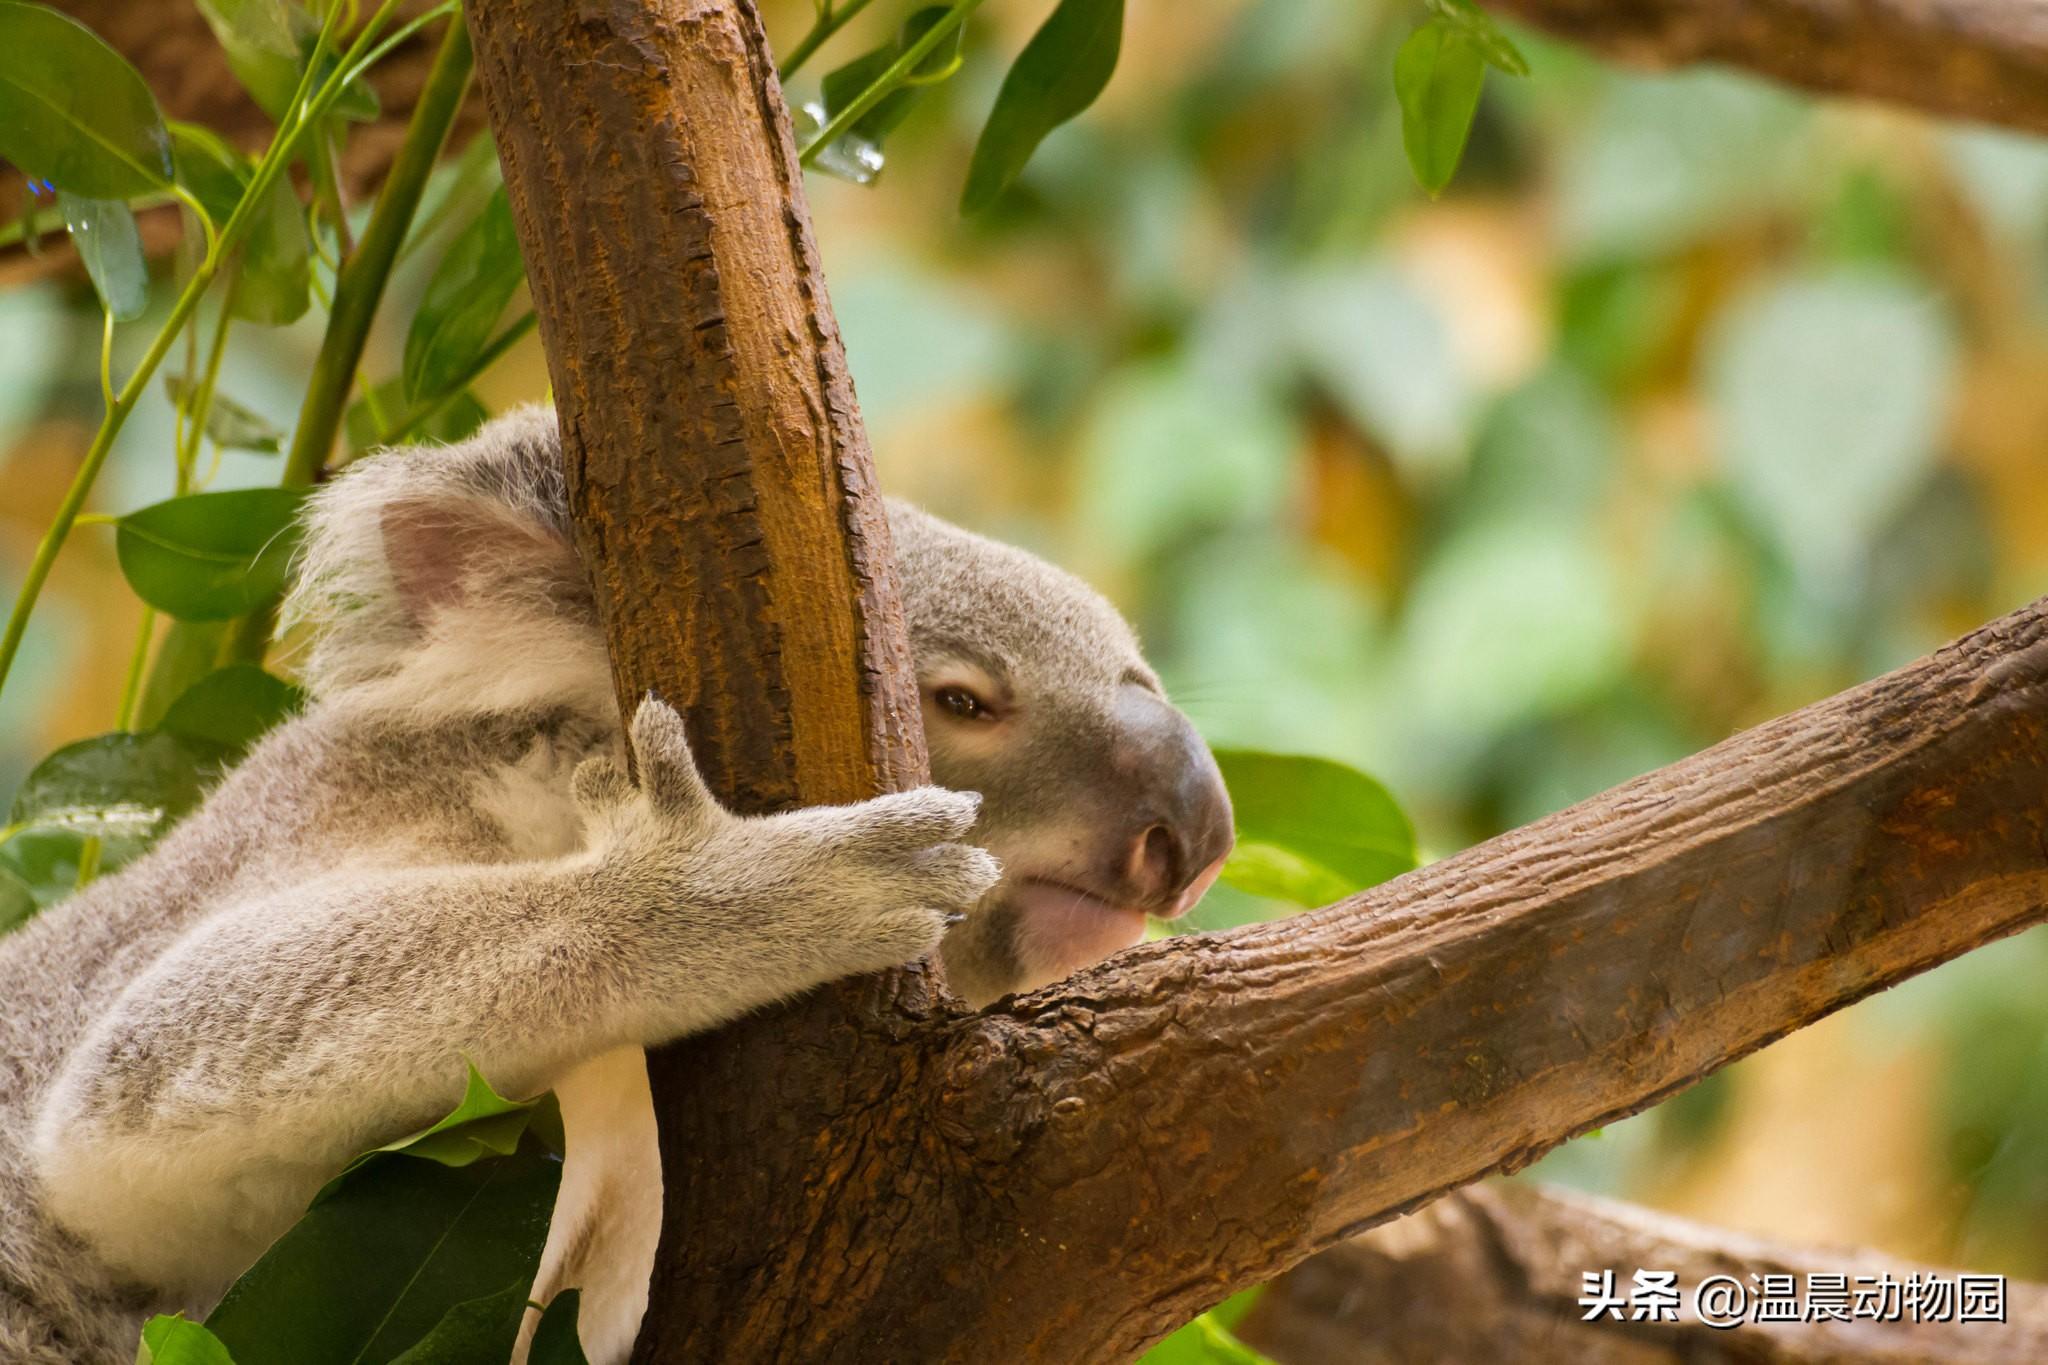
x=892, y=872
x=851, y=889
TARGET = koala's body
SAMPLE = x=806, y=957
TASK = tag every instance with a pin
x=442, y=856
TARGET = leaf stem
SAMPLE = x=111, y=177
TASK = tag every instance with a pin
x=897, y=73
x=830, y=21
x=131, y=689
x=107, y=359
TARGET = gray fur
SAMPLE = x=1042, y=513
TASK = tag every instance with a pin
x=443, y=855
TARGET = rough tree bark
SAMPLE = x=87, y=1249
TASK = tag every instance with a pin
x=877, y=1174
x=1985, y=60
x=1492, y=1273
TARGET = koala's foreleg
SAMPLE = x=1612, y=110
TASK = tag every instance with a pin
x=286, y=1033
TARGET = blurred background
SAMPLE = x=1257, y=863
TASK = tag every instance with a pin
x=1691, y=401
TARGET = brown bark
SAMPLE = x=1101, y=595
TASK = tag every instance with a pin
x=1983, y=60
x=723, y=493
x=1493, y=1273
x=868, y=1175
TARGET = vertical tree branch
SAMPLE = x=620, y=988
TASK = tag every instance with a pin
x=721, y=481
x=725, y=504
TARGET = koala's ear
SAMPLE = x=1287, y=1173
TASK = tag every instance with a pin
x=444, y=552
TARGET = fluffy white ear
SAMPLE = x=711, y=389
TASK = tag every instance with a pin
x=449, y=551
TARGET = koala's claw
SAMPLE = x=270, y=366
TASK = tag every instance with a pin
x=668, y=770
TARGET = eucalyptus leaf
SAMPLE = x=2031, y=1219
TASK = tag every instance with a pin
x=1311, y=830
x=1437, y=78
x=267, y=43
x=385, y=1252
x=210, y=556
x=18, y=903
x=450, y=418
x=474, y=1332
x=119, y=787
x=43, y=861
x=187, y=652
x=104, y=232
x=274, y=263
x=476, y=278
x=232, y=707
x=484, y=1124
x=214, y=172
x=261, y=49
x=1478, y=26
x=1210, y=1338
x=230, y=425
x=174, y=1339
x=555, y=1341
x=73, y=111
x=1057, y=75
x=844, y=85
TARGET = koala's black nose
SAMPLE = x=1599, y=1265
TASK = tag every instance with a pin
x=1180, y=828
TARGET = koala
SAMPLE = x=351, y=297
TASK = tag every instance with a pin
x=444, y=856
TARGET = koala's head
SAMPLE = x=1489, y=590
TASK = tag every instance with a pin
x=1097, y=795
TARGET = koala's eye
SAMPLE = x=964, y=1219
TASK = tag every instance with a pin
x=958, y=701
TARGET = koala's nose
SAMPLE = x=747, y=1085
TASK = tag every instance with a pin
x=1170, y=866
x=1183, y=833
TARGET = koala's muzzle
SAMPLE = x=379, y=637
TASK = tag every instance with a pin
x=1169, y=840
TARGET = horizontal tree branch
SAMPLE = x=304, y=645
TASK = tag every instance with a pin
x=1195, y=1116
x=1493, y=1273
x=1982, y=60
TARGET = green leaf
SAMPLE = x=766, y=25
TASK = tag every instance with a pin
x=121, y=788
x=1057, y=75
x=104, y=232
x=1437, y=76
x=44, y=862
x=267, y=43
x=262, y=47
x=232, y=426
x=175, y=1340
x=188, y=652
x=555, y=1341
x=1311, y=830
x=473, y=1332
x=275, y=262
x=210, y=556
x=73, y=112
x=232, y=707
x=841, y=87
x=1209, y=1340
x=484, y=1124
x=18, y=903
x=385, y=1252
x=477, y=276
x=451, y=419
x=1477, y=25
x=213, y=171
